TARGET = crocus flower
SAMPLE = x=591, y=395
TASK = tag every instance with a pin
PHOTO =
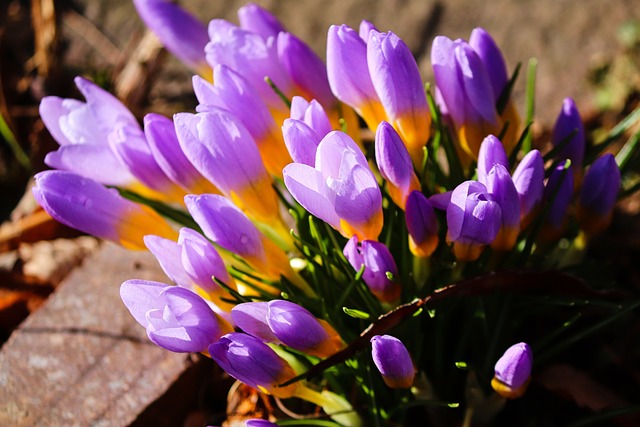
x=259, y=423
x=305, y=129
x=598, y=194
x=503, y=191
x=88, y=206
x=341, y=190
x=175, y=318
x=466, y=90
x=223, y=223
x=222, y=150
x=396, y=78
x=348, y=74
x=491, y=153
x=422, y=225
x=529, y=181
x=393, y=361
x=513, y=371
x=252, y=362
x=181, y=33
x=569, y=130
x=193, y=262
x=82, y=129
x=380, y=270
x=165, y=148
x=234, y=93
x=306, y=70
x=252, y=56
x=558, y=192
x=395, y=164
x=288, y=323
x=100, y=139
x=258, y=20
x=473, y=220
x=490, y=55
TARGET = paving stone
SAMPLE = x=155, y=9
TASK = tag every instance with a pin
x=82, y=359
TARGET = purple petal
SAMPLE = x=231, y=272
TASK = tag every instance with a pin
x=260, y=21
x=529, y=181
x=358, y=198
x=476, y=84
x=514, y=367
x=311, y=113
x=420, y=217
x=180, y=32
x=301, y=141
x=503, y=191
x=472, y=216
x=569, y=125
x=492, y=58
x=393, y=361
x=167, y=252
x=295, y=326
x=392, y=157
x=491, y=153
x=600, y=185
x=225, y=224
x=365, y=29
x=306, y=70
x=309, y=188
x=140, y=296
x=251, y=317
x=560, y=186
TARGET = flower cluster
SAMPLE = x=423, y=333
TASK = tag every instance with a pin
x=283, y=229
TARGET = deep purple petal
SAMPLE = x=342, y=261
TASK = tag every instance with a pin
x=600, y=185
x=309, y=188
x=393, y=361
x=491, y=153
x=492, y=58
x=251, y=317
x=569, y=125
x=529, y=181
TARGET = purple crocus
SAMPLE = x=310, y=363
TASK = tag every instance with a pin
x=422, y=225
x=288, y=323
x=348, y=74
x=569, y=130
x=558, y=192
x=513, y=371
x=395, y=164
x=258, y=20
x=259, y=423
x=491, y=153
x=82, y=129
x=250, y=55
x=254, y=363
x=598, y=194
x=165, y=148
x=396, y=79
x=473, y=220
x=222, y=150
x=228, y=227
x=393, y=361
x=341, y=190
x=529, y=181
x=233, y=93
x=88, y=206
x=175, y=318
x=181, y=33
x=305, y=129
x=503, y=191
x=380, y=270
x=193, y=263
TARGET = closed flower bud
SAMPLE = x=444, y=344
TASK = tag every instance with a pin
x=175, y=318
x=380, y=272
x=529, y=181
x=254, y=363
x=513, y=371
x=422, y=225
x=569, y=131
x=393, y=361
x=598, y=194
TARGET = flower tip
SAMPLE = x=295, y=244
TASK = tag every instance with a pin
x=513, y=371
x=393, y=361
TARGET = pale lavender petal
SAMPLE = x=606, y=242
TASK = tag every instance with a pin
x=201, y=261
x=97, y=162
x=225, y=224
x=472, y=216
x=392, y=156
x=306, y=70
x=167, y=252
x=514, y=367
x=365, y=29
x=309, y=188
x=258, y=20
x=358, y=198
x=301, y=141
x=165, y=148
x=251, y=317
x=140, y=296
x=501, y=187
x=311, y=113
x=476, y=83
